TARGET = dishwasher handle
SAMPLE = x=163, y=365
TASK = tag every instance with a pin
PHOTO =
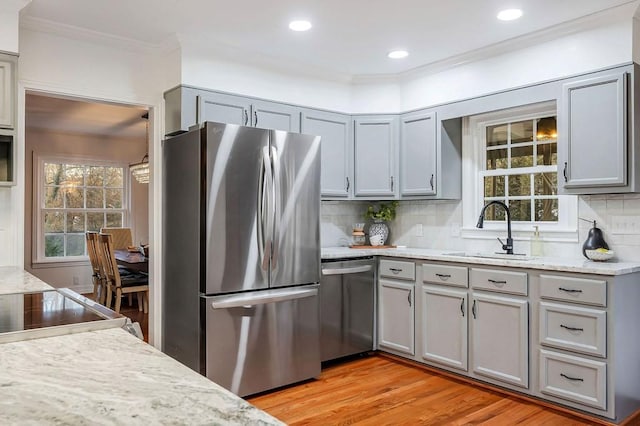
x=351, y=270
x=262, y=298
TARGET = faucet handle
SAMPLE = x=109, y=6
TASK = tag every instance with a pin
x=508, y=247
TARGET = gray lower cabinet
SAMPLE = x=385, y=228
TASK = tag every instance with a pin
x=396, y=306
x=337, y=150
x=444, y=326
x=8, y=83
x=376, y=150
x=593, y=136
x=418, y=153
x=500, y=338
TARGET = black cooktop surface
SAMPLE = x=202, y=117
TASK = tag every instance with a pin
x=28, y=311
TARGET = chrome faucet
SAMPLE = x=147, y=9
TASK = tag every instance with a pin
x=508, y=247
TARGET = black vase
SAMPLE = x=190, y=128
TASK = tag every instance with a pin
x=595, y=240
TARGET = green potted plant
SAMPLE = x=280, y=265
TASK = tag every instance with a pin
x=381, y=213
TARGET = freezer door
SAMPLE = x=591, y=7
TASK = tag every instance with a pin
x=262, y=340
x=238, y=218
x=296, y=242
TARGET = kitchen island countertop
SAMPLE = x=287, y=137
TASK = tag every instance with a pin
x=14, y=279
x=544, y=263
x=110, y=377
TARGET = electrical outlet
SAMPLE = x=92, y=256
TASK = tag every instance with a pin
x=419, y=231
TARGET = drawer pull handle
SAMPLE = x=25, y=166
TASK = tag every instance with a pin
x=571, y=328
x=496, y=281
x=462, y=307
x=569, y=290
x=443, y=276
x=395, y=270
x=575, y=379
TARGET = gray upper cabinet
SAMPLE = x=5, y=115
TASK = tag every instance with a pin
x=7, y=91
x=187, y=106
x=222, y=108
x=375, y=141
x=337, y=150
x=593, y=135
x=418, y=151
x=271, y=115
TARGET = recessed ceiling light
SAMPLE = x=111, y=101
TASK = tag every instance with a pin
x=509, y=14
x=398, y=54
x=300, y=25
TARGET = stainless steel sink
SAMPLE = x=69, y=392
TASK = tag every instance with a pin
x=490, y=255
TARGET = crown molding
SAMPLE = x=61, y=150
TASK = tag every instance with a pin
x=82, y=34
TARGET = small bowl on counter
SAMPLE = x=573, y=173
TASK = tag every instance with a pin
x=600, y=256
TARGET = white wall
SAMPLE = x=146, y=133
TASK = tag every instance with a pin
x=209, y=68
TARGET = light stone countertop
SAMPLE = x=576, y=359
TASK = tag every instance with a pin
x=109, y=377
x=583, y=266
x=14, y=279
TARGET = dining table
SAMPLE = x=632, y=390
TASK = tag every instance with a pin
x=132, y=260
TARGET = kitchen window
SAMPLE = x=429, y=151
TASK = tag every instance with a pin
x=76, y=195
x=514, y=157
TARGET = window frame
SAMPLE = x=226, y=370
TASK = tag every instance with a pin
x=38, y=255
x=474, y=161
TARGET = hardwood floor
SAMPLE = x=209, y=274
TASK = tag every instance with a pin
x=378, y=390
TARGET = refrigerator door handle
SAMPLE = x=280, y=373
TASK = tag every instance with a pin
x=265, y=218
x=261, y=298
x=276, y=208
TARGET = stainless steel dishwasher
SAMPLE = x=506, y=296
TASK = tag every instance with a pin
x=347, y=307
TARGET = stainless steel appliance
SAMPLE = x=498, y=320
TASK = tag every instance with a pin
x=347, y=307
x=241, y=255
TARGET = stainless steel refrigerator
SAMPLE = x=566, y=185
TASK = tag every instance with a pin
x=241, y=255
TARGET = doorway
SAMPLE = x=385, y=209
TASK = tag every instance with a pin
x=77, y=157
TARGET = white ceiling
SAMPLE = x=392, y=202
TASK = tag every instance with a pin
x=75, y=116
x=348, y=37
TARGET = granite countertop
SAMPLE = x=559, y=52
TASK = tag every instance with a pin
x=110, y=377
x=544, y=263
x=14, y=279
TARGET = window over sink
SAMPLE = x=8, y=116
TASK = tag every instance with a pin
x=513, y=155
x=75, y=195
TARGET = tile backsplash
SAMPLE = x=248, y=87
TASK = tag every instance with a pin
x=437, y=225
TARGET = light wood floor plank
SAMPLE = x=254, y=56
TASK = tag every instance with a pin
x=379, y=391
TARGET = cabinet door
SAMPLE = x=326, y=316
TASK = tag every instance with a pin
x=594, y=128
x=375, y=151
x=272, y=115
x=418, y=154
x=444, y=326
x=337, y=150
x=7, y=92
x=500, y=338
x=396, y=313
x=223, y=109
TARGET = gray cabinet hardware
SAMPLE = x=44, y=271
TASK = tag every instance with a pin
x=409, y=297
x=473, y=309
x=571, y=328
x=462, y=307
x=575, y=379
x=431, y=182
x=569, y=290
x=496, y=281
x=443, y=276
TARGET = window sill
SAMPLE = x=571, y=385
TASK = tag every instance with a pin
x=59, y=264
x=548, y=235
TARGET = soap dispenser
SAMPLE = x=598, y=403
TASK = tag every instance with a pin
x=536, y=243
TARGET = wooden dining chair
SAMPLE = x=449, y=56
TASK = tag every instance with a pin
x=120, y=284
x=96, y=266
x=122, y=237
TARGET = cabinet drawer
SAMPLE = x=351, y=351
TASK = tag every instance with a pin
x=500, y=281
x=398, y=269
x=575, y=379
x=574, y=328
x=579, y=290
x=445, y=274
